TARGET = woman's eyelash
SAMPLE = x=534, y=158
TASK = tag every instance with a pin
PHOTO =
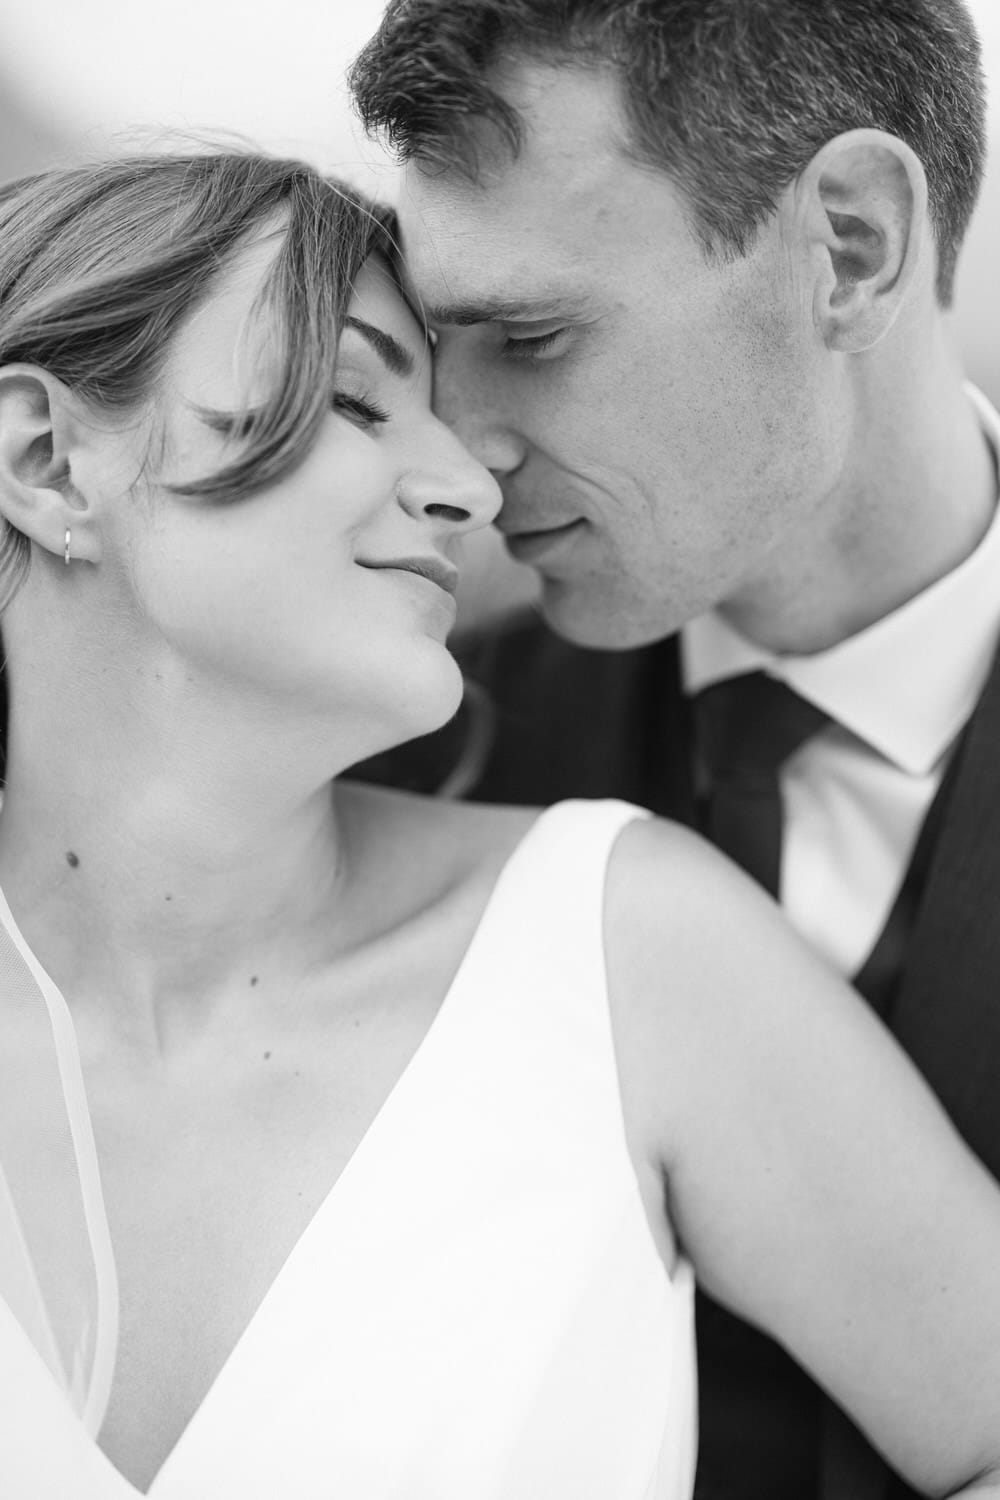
x=529, y=348
x=234, y=426
x=359, y=408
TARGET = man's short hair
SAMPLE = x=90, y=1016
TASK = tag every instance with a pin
x=730, y=98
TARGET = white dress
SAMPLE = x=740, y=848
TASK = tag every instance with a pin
x=516, y=1339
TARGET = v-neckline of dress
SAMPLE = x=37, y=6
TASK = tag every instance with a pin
x=380, y=1124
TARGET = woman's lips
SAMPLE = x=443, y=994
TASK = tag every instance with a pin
x=532, y=546
x=432, y=569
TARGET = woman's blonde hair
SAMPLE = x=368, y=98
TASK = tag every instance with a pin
x=101, y=264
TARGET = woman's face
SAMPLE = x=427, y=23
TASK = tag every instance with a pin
x=329, y=595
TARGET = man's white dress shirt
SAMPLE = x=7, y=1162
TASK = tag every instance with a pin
x=899, y=693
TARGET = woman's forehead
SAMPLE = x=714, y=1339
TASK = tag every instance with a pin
x=379, y=300
x=221, y=342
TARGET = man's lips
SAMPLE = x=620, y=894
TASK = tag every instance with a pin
x=531, y=546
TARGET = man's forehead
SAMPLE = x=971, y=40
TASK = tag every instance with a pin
x=467, y=262
x=447, y=216
x=460, y=270
x=571, y=152
x=548, y=235
x=571, y=208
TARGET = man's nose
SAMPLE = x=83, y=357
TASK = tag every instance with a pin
x=469, y=401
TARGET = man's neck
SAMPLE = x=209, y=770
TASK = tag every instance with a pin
x=916, y=497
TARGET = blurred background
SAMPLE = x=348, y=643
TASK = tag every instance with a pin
x=79, y=75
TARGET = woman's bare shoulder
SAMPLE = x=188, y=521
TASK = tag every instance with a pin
x=701, y=967
x=686, y=930
x=663, y=877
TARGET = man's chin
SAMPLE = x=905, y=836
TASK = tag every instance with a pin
x=584, y=618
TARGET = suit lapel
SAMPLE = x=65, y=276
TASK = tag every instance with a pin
x=947, y=1015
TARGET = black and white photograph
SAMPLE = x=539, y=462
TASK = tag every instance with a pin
x=499, y=749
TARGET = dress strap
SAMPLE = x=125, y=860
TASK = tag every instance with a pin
x=71, y=1319
x=561, y=874
x=19, y=1284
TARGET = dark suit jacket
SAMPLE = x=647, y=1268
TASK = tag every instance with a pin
x=566, y=722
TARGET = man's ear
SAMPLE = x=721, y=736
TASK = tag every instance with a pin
x=860, y=209
x=39, y=428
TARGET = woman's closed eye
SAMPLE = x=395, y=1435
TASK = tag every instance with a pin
x=361, y=410
x=239, y=426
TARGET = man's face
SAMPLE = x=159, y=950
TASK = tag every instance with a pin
x=663, y=428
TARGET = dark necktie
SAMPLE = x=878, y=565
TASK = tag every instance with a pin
x=745, y=729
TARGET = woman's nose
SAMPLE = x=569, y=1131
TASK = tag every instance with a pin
x=452, y=486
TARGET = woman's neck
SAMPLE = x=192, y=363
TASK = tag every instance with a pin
x=161, y=882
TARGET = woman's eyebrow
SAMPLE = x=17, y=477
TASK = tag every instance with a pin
x=391, y=352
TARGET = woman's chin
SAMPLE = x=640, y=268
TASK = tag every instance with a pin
x=425, y=700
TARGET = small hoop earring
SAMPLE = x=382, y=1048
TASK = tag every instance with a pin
x=66, y=554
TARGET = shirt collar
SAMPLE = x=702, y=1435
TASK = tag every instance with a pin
x=907, y=684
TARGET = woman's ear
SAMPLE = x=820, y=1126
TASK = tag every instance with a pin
x=861, y=215
x=39, y=431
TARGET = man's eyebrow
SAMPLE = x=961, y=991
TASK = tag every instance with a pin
x=391, y=352
x=503, y=310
